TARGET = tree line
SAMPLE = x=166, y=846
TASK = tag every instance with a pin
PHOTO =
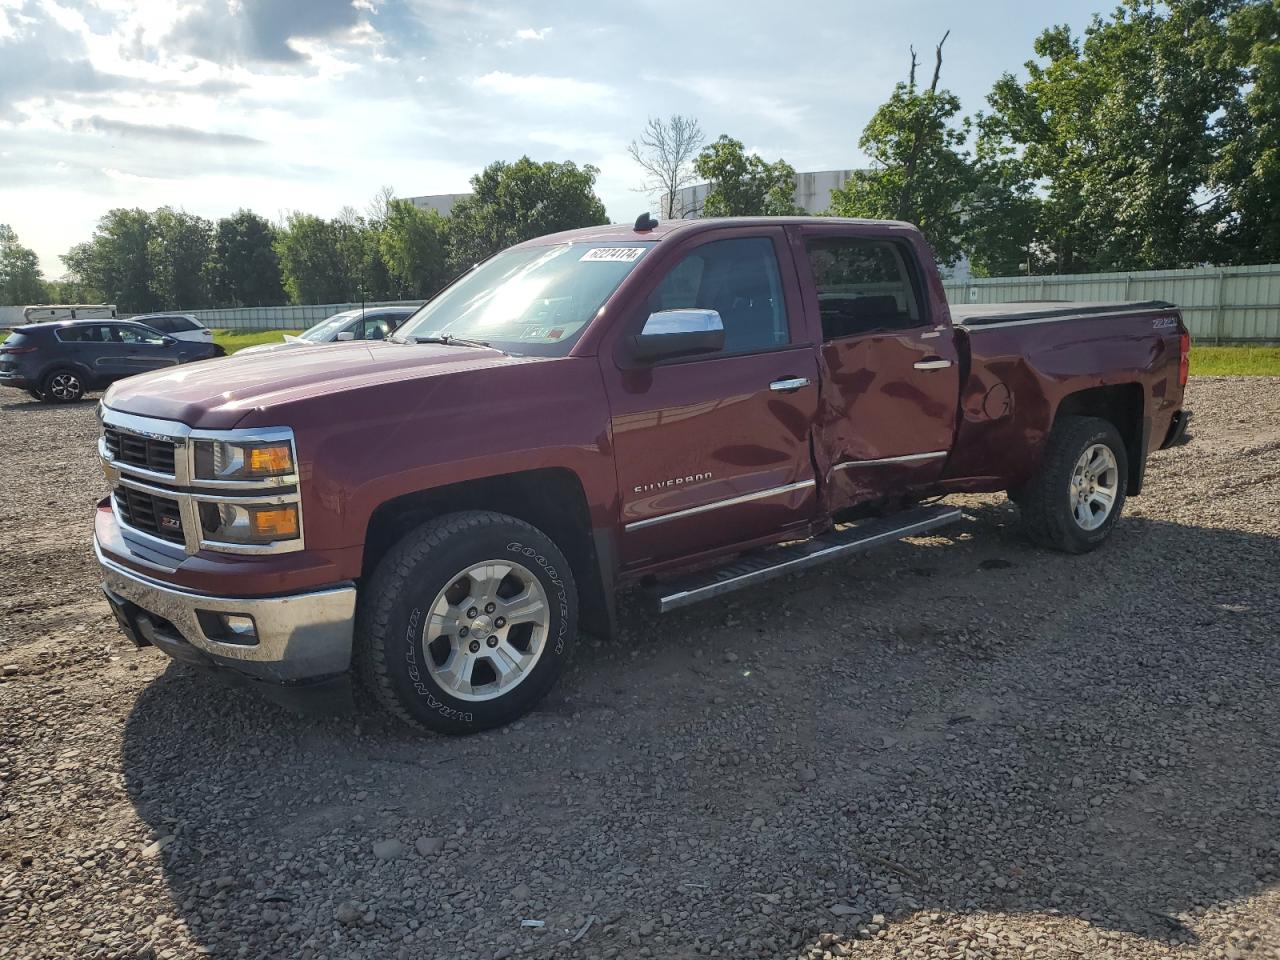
x=169, y=259
x=1150, y=141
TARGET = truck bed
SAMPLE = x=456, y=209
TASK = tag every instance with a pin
x=1042, y=311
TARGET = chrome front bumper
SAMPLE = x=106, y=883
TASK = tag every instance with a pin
x=298, y=638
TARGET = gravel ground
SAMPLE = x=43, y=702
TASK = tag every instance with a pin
x=957, y=747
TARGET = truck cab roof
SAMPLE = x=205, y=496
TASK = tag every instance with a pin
x=622, y=232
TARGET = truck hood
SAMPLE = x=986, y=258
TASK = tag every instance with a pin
x=218, y=394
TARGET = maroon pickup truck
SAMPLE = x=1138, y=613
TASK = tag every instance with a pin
x=696, y=406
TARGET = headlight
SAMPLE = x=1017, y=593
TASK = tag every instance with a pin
x=227, y=460
x=249, y=524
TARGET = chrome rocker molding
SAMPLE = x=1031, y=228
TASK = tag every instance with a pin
x=299, y=636
x=717, y=504
x=908, y=458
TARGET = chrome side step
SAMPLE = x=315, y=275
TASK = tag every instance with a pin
x=748, y=570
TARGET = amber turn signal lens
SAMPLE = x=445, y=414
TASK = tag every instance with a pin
x=270, y=460
x=279, y=523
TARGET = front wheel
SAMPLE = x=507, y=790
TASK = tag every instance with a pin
x=35, y=393
x=1075, y=500
x=466, y=622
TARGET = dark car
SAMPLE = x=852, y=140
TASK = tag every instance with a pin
x=58, y=362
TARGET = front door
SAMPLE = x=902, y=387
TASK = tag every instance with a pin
x=713, y=451
x=890, y=373
x=145, y=349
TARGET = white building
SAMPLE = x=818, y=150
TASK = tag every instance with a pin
x=813, y=193
x=441, y=203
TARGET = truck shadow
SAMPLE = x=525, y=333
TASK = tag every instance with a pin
x=996, y=730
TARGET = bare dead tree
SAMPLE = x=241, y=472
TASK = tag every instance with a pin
x=665, y=151
x=905, y=200
x=380, y=205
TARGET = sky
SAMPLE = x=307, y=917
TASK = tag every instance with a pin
x=275, y=105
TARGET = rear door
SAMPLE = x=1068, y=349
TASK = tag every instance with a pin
x=713, y=450
x=890, y=383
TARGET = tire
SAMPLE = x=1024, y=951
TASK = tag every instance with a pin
x=446, y=578
x=1060, y=513
x=35, y=394
x=62, y=386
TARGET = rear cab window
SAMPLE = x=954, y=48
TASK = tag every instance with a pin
x=864, y=285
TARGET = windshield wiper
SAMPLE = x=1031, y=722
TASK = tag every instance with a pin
x=449, y=340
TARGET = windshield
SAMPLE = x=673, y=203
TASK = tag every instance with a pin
x=326, y=329
x=535, y=300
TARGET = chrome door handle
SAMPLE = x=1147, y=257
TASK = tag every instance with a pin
x=787, y=384
x=935, y=364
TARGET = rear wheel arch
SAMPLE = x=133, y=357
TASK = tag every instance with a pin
x=553, y=500
x=1124, y=406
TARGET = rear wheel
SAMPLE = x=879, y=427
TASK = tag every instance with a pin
x=1075, y=501
x=62, y=386
x=466, y=623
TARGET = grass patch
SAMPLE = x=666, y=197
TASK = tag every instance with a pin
x=1235, y=361
x=233, y=340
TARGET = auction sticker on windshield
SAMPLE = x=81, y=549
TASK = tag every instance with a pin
x=613, y=254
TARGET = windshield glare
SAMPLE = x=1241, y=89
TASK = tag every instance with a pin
x=326, y=329
x=535, y=300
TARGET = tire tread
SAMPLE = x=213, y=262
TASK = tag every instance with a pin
x=1040, y=501
x=376, y=609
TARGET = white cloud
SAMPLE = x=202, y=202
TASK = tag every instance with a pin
x=557, y=91
x=528, y=33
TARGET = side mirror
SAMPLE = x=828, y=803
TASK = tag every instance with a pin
x=168, y=341
x=678, y=333
x=346, y=335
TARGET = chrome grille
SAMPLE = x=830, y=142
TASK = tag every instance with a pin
x=156, y=515
x=145, y=452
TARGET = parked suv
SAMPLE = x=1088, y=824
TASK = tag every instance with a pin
x=58, y=362
x=180, y=326
x=371, y=323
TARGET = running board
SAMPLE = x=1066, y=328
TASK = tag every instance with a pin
x=750, y=569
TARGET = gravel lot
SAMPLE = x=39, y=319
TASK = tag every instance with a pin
x=957, y=747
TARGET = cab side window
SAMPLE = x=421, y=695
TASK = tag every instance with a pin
x=375, y=327
x=740, y=280
x=136, y=335
x=864, y=286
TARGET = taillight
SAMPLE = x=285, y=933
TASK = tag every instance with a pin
x=1184, y=361
x=17, y=349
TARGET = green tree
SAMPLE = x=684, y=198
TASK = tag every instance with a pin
x=1246, y=172
x=244, y=269
x=115, y=261
x=312, y=260
x=1117, y=132
x=743, y=184
x=414, y=247
x=179, y=250
x=920, y=171
x=358, y=244
x=20, y=280
x=513, y=202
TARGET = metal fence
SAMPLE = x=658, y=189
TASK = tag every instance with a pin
x=1219, y=304
x=284, y=318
